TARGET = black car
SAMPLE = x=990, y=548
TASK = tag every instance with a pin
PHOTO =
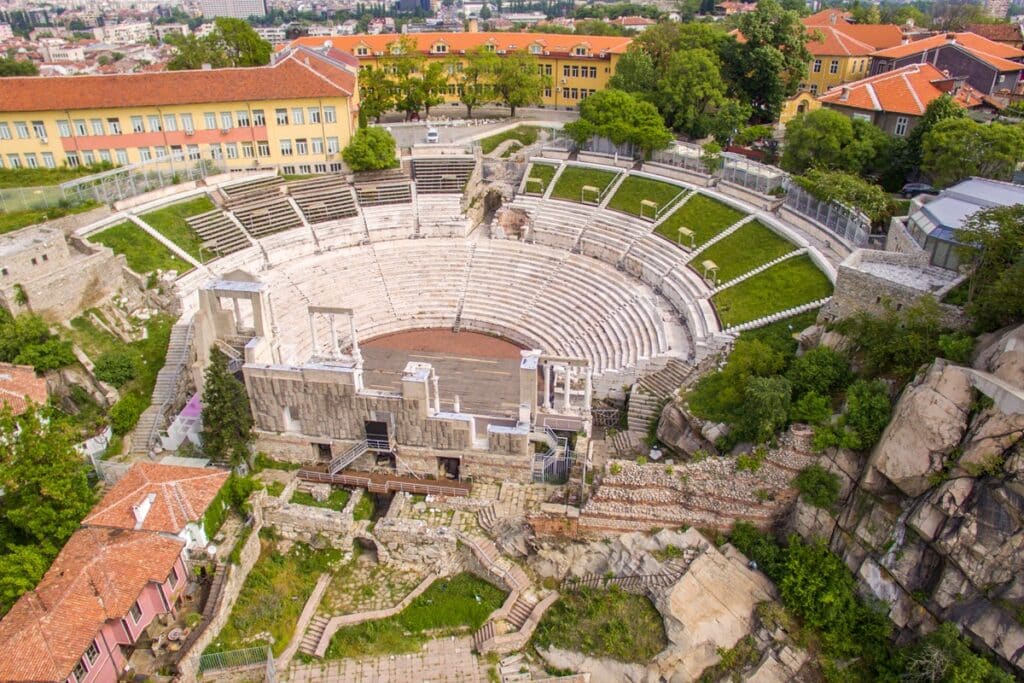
x=914, y=189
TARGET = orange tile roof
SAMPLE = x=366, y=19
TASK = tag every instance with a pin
x=98, y=576
x=839, y=38
x=997, y=55
x=180, y=495
x=553, y=43
x=1000, y=33
x=297, y=74
x=18, y=382
x=828, y=16
x=907, y=90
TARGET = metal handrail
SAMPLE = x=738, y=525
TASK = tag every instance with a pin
x=155, y=429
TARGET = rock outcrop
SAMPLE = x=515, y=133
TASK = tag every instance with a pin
x=677, y=431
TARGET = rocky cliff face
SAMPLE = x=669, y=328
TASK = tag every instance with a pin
x=934, y=525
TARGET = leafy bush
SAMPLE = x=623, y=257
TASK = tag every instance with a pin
x=232, y=496
x=117, y=367
x=124, y=414
x=371, y=149
x=26, y=340
x=811, y=408
x=750, y=462
x=818, y=486
x=821, y=370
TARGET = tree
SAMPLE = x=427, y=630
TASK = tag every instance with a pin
x=940, y=109
x=770, y=61
x=943, y=655
x=227, y=420
x=821, y=370
x=622, y=118
x=850, y=190
x=994, y=252
x=117, y=367
x=711, y=157
x=21, y=568
x=663, y=40
x=26, y=340
x=434, y=84
x=634, y=72
x=475, y=80
x=371, y=149
x=9, y=66
x=404, y=65
x=517, y=81
x=818, y=486
x=958, y=148
x=689, y=90
x=765, y=408
x=233, y=42
x=375, y=96
x=826, y=139
x=867, y=412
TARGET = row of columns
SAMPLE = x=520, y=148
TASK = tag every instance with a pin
x=552, y=371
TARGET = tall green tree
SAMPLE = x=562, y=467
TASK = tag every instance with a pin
x=517, y=81
x=940, y=109
x=227, y=419
x=9, y=66
x=371, y=149
x=375, y=93
x=995, y=260
x=690, y=89
x=233, y=42
x=434, y=83
x=634, y=72
x=476, y=78
x=957, y=148
x=826, y=139
x=622, y=118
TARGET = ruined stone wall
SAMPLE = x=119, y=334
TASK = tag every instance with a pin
x=63, y=293
x=416, y=542
x=305, y=523
x=899, y=239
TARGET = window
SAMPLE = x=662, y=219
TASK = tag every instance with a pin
x=242, y=117
x=170, y=122
x=137, y=126
x=154, y=124
x=901, y=126
x=247, y=150
x=300, y=147
x=186, y=123
x=332, y=145
x=72, y=159
x=88, y=157
x=440, y=48
x=145, y=154
x=580, y=51
x=286, y=148
x=14, y=161
x=318, y=145
x=225, y=120
x=193, y=152
x=135, y=612
x=105, y=155
x=297, y=116
x=5, y=131
x=210, y=120
x=79, y=672
x=317, y=168
x=172, y=580
x=833, y=67
x=547, y=69
x=39, y=129
x=575, y=71
x=122, y=156
x=31, y=161
x=216, y=152
x=817, y=66
x=547, y=91
x=48, y=160
x=63, y=129
x=263, y=148
x=22, y=128
x=282, y=116
x=258, y=119
x=97, y=126
x=288, y=170
x=565, y=93
x=593, y=72
x=814, y=88
x=80, y=128
x=92, y=653
x=114, y=125
x=574, y=94
x=361, y=51
x=314, y=114
x=305, y=169
x=232, y=150
x=535, y=49
x=329, y=116
x=176, y=153
x=565, y=71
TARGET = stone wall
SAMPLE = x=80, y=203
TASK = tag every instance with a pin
x=416, y=542
x=305, y=523
x=899, y=239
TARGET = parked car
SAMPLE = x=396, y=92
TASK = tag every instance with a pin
x=432, y=135
x=914, y=189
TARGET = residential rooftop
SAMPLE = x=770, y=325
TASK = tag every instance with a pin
x=907, y=90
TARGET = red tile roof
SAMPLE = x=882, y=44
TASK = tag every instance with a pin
x=98, y=576
x=1000, y=33
x=179, y=495
x=553, y=43
x=301, y=73
x=995, y=54
x=18, y=382
x=828, y=17
x=907, y=90
x=841, y=41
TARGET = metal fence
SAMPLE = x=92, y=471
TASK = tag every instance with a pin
x=598, y=145
x=249, y=658
x=680, y=157
x=31, y=198
x=853, y=226
x=751, y=174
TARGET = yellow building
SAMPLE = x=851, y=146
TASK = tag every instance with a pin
x=296, y=114
x=577, y=66
x=840, y=53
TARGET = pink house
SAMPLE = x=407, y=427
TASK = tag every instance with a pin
x=80, y=624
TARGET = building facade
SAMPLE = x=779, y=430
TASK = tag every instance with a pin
x=575, y=66
x=239, y=9
x=301, y=110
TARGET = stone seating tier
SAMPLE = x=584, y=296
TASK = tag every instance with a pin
x=217, y=229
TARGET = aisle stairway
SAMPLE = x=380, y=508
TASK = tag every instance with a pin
x=152, y=419
x=311, y=638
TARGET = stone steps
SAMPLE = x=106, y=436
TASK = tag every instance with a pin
x=626, y=443
x=164, y=390
x=487, y=517
x=483, y=634
x=311, y=638
x=520, y=611
x=718, y=238
x=643, y=408
x=666, y=382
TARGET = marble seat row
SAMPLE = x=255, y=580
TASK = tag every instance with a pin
x=324, y=198
x=219, y=231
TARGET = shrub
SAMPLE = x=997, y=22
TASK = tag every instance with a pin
x=750, y=462
x=117, y=367
x=811, y=408
x=818, y=486
x=821, y=370
x=124, y=414
x=371, y=149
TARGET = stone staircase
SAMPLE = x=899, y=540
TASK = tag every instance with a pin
x=311, y=638
x=627, y=443
x=520, y=611
x=152, y=419
x=509, y=669
x=643, y=407
x=487, y=517
x=666, y=382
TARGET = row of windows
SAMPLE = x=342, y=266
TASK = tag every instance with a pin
x=307, y=169
x=22, y=130
x=303, y=146
x=442, y=49
x=578, y=71
x=45, y=160
x=574, y=94
x=833, y=66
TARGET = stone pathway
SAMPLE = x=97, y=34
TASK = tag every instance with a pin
x=449, y=660
x=366, y=586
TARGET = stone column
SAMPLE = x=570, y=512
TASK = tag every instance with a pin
x=355, y=340
x=588, y=390
x=547, y=385
x=458, y=404
x=437, y=393
x=312, y=331
x=567, y=378
x=334, y=337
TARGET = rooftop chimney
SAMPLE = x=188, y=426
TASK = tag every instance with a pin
x=142, y=509
x=951, y=37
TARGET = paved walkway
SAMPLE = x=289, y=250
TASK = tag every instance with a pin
x=442, y=661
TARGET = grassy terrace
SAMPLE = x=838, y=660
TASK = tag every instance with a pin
x=336, y=501
x=543, y=172
x=525, y=135
x=20, y=219
x=459, y=605
x=791, y=283
x=742, y=251
x=601, y=623
x=170, y=222
x=705, y=216
x=634, y=190
x=37, y=177
x=143, y=252
x=573, y=178
x=273, y=596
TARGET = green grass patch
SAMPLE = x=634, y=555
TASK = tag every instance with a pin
x=170, y=222
x=601, y=623
x=510, y=150
x=791, y=283
x=22, y=219
x=275, y=488
x=265, y=462
x=779, y=335
x=452, y=606
x=544, y=173
x=90, y=337
x=525, y=135
x=634, y=190
x=37, y=177
x=336, y=501
x=364, y=508
x=143, y=252
x=742, y=251
x=570, y=184
x=273, y=596
x=958, y=295
x=705, y=216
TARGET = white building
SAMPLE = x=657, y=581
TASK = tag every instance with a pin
x=57, y=50
x=5, y=32
x=124, y=34
x=275, y=35
x=239, y=9
x=164, y=30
